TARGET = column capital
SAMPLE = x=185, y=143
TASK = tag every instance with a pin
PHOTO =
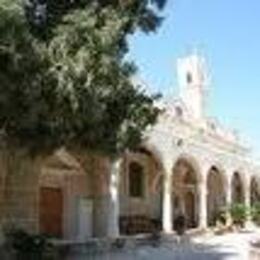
x=167, y=168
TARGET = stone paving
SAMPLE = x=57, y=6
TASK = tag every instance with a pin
x=233, y=246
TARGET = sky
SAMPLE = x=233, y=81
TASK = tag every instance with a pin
x=227, y=33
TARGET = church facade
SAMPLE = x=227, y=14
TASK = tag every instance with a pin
x=188, y=165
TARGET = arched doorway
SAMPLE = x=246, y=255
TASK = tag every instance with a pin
x=140, y=193
x=215, y=195
x=185, y=192
x=237, y=188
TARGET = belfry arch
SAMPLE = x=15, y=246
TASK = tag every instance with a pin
x=185, y=197
x=237, y=188
x=216, y=188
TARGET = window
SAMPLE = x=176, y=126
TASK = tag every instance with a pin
x=189, y=78
x=179, y=111
x=136, y=180
x=213, y=126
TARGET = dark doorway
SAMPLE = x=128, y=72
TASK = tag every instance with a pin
x=51, y=211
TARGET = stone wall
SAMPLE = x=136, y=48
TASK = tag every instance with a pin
x=21, y=193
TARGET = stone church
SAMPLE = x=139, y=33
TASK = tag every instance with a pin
x=187, y=165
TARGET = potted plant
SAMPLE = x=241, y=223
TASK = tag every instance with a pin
x=221, y=221
x=239, y=213
x=255, y=212
x=180, y=225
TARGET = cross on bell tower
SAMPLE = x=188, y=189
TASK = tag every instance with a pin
x=193, y=82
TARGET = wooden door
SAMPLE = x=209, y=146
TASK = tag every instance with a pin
x=51, y=211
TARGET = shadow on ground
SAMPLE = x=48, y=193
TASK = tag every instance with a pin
x=188, y=251
x=166, y=250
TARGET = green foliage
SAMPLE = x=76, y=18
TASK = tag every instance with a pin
x=255, y=211
x=25, y=91
x=95, y=82
x=28, y=246
x=73, y=87
x=46, y=14
x=239, y=213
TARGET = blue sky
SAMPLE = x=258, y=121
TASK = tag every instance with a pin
x=227, y=32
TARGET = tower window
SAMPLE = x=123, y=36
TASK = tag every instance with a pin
x=136, y=180
x=179, y=111
x=189, y=78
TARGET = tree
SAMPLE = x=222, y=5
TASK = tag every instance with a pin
x=65, y=82
x=26, y=89
x=44, y=14
x=73, y=87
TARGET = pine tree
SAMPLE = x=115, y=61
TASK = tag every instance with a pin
x=73, y=87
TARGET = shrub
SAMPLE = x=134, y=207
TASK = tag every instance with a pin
x=221, y=216
x=180, y=224
x=27, y=246
x=239, y=213
x=255, y=211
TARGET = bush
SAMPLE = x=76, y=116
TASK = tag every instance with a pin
x=239, y=213
x=221, y=216
x=255, y=211
x=180, y=224
x=27, y=246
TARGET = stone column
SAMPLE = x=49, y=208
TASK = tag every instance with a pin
x=113, y=199
x=229, y=193
x=167, y=202
x=203, y=204
x=247, y=202
x=228, y=200
x=247, y=194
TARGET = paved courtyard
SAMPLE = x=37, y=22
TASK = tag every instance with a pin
x=233, y=246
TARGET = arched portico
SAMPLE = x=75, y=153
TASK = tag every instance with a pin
x=237, y=188
x=216, y=198
x=185, y=197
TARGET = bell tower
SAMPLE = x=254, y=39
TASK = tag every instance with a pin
x=193, y=82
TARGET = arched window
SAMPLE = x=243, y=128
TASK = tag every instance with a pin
x=189, y=78
x=179, y=111
x=136, y=180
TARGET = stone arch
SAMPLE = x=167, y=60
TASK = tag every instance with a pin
x=193, y=162
x=216, y=190
x=237, y=187
x=185, y=180
x=157, y=158
x=138, y=214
